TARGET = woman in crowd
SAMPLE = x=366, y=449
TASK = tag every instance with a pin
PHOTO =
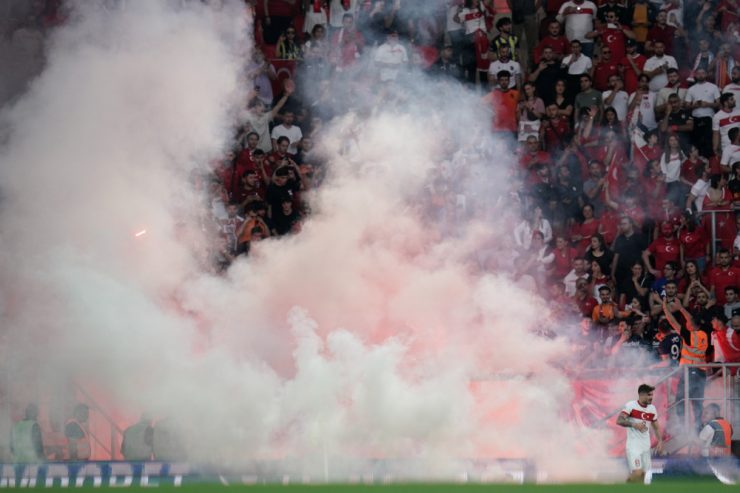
x=598, y=252
x=582, y=232
x=287, y=46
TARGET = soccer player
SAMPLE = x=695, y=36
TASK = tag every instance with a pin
x=635, y=417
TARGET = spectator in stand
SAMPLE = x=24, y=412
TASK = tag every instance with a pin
x=642, y=105
x=503, y=103
x=615, y=97
x=546, y=75
x=578, y=17
x=600, y=253
x=670, y=165
x=692, y=278
x=607, y=312
x=563, y=99
x=505, y=63
x=734, y=86
x=628, y=248
x=703, y=98
x=137, y=440
x=317, y=14
x=610, y=124
x=731, y=153
x=75, y=430
x=256, y=219
x=663, y=33
x=472, y=15
x=259, y=118
x=531, y=157
x=613, y=6
x=604, y=70
x=284, y=219
x=635, y=286
x=666, y=248
x=631, y=66
x=524, y=230
x=531, y=107
x=554, y=130
x=719, y=198
x=579, y=273
x=287, y=46
x=262, y=73
x=732, y=302
x=656, y=67
x=347, y=44
x=677, y=121
x=694, y=243
x=584, y=299
x=613, y=36
x=286, y=129
x=576, y=64
x=702, y=59
x=589, y=98
x=554, y=40
x=390, y=58
x=505, y=38
x=339, y=8
x=229, y=226
x=447, y=66
x=674, y=86
x=723, y=276
x=582, y=232
x=734, y=184
x=727, y=118
x=564, y=255
x=695, y=199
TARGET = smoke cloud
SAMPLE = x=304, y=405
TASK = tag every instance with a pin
x=371, y=333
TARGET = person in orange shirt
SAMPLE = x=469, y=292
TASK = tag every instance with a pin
x=503, y=102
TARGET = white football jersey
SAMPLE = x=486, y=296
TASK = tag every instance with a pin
x=639, y=440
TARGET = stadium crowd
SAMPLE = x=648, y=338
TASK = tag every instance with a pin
x=622, y=119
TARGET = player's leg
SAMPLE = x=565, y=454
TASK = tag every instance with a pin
x=635, y=465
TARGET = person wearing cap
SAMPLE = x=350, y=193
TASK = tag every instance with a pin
x=390, y=57
x=631, y=66
x=446, y=65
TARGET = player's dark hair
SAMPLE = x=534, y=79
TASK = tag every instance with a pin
x=645, y=389
x=725, y=97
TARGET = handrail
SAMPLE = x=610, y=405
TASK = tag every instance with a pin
x=669, y=375
x=99, y=409
x=114, y=428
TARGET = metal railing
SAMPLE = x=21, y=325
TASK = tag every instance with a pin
x=713, y=220
x=115, y=431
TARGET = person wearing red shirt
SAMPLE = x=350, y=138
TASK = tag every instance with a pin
x=726, y=341
x=649, y=152
x=613, y=35
x=584, y=299
x=666, y=248
x=555, y=40
x=554, y=130
x=346, y=44
x=694, y=243
x=723, y=275
x=631, y=66
x=605, y=69
x=582, y=232
x=532, y=156
x=662, y=32
x=503, y=103
x=564, y=256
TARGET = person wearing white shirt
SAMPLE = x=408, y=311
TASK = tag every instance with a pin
x=656, y=67
x=673, y=87
x=337, y=10
x=731, y=153
x=504, y=62
x=670, y=166
x=578, y=17
x=390, y=57
x=616, y=97
x=642, y=104
x=727, y=118
x=287, y=129
x=699, y=190
x=703, y=98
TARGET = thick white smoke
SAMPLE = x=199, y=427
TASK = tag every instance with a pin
x=357, y=338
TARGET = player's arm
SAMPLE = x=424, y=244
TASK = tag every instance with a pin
x=658, y=436
x=623, y=420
